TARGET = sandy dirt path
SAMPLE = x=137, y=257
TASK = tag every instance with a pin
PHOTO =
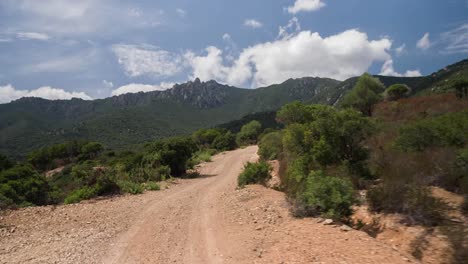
x=203, y=220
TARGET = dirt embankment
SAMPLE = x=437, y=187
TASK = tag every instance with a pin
x=204, y=220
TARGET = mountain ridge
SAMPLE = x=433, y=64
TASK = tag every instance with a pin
x=133, y=118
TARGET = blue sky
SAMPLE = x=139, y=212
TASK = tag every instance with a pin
x=58, y=49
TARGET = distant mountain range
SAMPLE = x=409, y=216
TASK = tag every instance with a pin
x=130, y=119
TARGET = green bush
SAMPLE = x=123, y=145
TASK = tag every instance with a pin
x=397, y=91
x=78, y=195
x=201, y=156
x=174, y=152
x=5, y=162
x=22, y=185
x=326, y=195
x=271, y=145
x=255, y=173
x=130, y=187
x=447, y=130
x=225, y=142
x=152, y=186
x=249, y=133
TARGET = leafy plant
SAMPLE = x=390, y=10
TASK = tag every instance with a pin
x=326, y=195
x=78, y=195
x=249, y=133
x=130, y=187
x=271, y=146
x=255, y=173
x=364, y=95
x=152, y=186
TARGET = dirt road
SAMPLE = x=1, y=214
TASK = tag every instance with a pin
x=204, y=220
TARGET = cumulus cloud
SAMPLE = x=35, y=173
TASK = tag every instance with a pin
x=456, y=40
x=424, y=43
x=388, y=70
x=148, y=60
x=305, y=6
x=32, y=35
x=208, y=67
x=9, y=93
x=137, y=87
x=71, y=17
x=252, y=23
x=306, y=53
x=400, y=50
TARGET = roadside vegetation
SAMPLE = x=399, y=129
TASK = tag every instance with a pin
x=79, y=170
x=377, y=141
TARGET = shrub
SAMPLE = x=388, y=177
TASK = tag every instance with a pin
x=255, y=173
x=106, y=185
x=397, y=91
x=447, y=130
x=130, y=187
x=23, y=185
x=5, y=162
x=225, y=141
x=175, y=153
x=249, y=133
x=461, y=171
x=78, y=195
x=461, y=88
x=327, y=195
x=412, y=200
x=152, y=186
x=271, y=146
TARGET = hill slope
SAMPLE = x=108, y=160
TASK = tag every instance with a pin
x=131, y=119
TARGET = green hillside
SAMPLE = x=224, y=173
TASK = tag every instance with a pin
x=130, y=119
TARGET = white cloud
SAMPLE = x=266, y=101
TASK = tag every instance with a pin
x=107, y=84
x=9, y=93
x=181, y=12
x=207, y=67
x=146, y=59
x=305, y=6
x=424, y=43
x=293, y=25
x=72, y=17
x=32, y=35
x=456, y=40
x=136, y=87
x=252, y=23
x=388, y=70
x=400, y=50
x=340, y=56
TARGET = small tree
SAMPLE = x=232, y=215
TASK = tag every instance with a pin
x=175, y=152
x=397, y=91
x=249, y=133
x=364, y=95
x=461, y=88
x=271, y=145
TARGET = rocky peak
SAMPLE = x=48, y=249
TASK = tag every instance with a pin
x=201, y=94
